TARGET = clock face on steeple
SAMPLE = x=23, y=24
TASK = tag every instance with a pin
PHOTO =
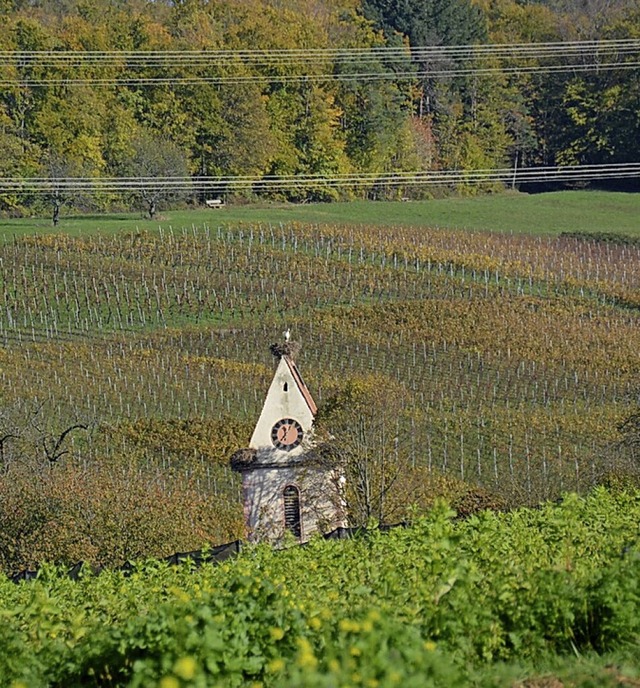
x=286, y=434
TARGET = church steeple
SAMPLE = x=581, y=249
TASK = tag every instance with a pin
x=285, y=484
x=289, y=409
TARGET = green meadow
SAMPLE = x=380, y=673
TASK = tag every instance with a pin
x=518, y=213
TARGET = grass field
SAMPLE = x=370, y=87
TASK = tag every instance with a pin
x=550, y=213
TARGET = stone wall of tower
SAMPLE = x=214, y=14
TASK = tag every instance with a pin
x=321, y=502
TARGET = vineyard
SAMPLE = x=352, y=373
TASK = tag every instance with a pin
x=504, y=364
x=534, y=597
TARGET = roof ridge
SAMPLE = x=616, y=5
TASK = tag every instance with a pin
x=302, y=386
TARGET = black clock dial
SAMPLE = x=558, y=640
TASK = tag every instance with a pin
x=286, y=434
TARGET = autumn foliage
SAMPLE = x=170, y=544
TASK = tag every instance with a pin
x=105, y=515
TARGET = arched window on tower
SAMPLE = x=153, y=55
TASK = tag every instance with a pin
x=292, y=510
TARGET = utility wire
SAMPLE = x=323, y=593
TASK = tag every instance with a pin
x=349, y=64
x=347, y=77
x=356, y=76
x=44, y=185
x=212, y=57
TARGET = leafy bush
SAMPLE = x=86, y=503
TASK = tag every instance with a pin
x=442, y=603
x=105, y=515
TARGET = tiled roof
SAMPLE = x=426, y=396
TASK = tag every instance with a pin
x=301, y=385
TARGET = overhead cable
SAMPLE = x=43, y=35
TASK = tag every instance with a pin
x=41, y=68
x=524, y=175
x=212, y=57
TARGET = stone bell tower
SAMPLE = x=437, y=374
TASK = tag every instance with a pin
x=289, y=484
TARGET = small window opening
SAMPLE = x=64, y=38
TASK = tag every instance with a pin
x=292, y=510
x=286, y=387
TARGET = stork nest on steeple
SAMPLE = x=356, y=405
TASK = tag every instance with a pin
x=243, y=459
x=289, y=349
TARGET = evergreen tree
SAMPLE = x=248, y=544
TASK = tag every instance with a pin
x=435, y=22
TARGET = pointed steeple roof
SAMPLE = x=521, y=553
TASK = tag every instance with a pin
x=288, y=398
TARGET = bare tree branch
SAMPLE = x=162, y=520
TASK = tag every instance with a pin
x=55, y=452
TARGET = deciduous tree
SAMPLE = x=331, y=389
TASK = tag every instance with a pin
x=153, y=159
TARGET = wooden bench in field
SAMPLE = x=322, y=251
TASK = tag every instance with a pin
x=214, y=203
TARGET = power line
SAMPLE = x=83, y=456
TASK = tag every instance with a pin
x=525, y=175
x=212, y=57
x=349, y=77
x=428, y=61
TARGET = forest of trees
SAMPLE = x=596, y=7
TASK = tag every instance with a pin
x=118, y=115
